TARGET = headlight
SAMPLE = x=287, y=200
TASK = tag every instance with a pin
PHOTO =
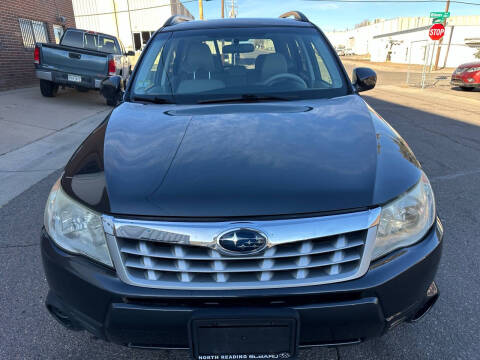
x=74, y=227
x=473, y=69
x=405, y=220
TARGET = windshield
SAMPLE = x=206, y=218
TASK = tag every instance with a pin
x=197, y=66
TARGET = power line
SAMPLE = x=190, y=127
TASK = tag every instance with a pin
x=398, y=1
x=139, y=9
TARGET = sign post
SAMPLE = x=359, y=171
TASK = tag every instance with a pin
x=446, y=14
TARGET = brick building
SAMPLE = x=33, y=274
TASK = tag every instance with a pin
x=22, y=23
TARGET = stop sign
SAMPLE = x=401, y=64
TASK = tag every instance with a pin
x=436, y=31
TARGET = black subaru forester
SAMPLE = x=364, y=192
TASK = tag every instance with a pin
x=242, y=201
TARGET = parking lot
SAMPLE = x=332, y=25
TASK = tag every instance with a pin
x=441, y=125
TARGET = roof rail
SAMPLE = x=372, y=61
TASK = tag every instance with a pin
x=176, y=19
x=296, y=14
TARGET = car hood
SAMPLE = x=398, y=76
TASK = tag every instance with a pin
x=241, y=160
x=469, y=65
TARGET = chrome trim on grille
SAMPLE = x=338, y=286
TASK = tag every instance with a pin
x=299, y=252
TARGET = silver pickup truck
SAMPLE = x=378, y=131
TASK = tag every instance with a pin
x=83, y=59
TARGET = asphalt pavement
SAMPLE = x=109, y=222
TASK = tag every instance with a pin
x=443, y=129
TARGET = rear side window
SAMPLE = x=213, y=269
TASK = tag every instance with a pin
x=108, y=45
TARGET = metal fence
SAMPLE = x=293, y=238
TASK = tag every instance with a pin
x=422, y=57
x=32, y=32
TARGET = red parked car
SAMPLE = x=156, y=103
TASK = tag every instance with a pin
x=467, y=76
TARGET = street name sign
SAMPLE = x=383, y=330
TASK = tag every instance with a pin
x=436, y=32
x=440, y=14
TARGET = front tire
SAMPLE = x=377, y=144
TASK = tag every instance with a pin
x=48, y=88
x=464, y=88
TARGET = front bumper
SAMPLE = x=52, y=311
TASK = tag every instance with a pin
x=91, y=297
x=470, y=80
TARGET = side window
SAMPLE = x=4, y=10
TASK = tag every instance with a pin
x=137, y=41
x=90, y=42
x=302, y=58
x=152, y=66
x=73, y=39
x=211, y=45
x=108, y=45
x=227, y=59
x=324, y=73
x=145, y=37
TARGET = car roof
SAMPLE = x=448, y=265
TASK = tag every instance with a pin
x=91, y=32
x=235, y=23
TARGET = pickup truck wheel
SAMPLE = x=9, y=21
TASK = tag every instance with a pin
x=48, y=88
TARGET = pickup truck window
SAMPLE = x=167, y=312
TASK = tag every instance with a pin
x=91, y=41
x=197, y=66
x=73, y=39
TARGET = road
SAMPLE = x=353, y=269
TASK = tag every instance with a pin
x=443, y=129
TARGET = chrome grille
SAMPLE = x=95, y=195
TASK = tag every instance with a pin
x=172, y=255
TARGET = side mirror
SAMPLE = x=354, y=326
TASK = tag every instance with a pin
x=364, y=79
x=111, y=89
x=130, y=53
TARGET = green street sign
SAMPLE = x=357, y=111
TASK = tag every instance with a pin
x=440, y=14
x=438, y=20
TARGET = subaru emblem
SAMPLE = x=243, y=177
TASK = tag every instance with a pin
x=242, y=241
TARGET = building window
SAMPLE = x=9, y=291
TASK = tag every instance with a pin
x=58, y=32
x=140, y=39
x=32, y=32
x=137, y=41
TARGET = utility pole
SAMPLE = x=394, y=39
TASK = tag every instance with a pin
x=200, y=9
x=223, y=9
x=116, y=18
x=232, y=13
x=439, y=48
x=131, y=30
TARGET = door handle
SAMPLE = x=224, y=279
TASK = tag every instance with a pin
x=74, y=56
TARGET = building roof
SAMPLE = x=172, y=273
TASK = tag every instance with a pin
x=422, y=28
x=237, y=22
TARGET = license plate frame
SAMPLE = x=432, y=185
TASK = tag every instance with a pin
x=74, y=78
x=250, y=336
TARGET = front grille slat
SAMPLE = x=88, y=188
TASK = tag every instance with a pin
x=208, y=254
x=255, y=266
x=317, y=260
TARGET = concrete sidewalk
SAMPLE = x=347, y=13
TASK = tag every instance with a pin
x=38, y=135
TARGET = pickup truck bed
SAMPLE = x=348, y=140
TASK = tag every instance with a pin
x=58, y=63
x=83, y=60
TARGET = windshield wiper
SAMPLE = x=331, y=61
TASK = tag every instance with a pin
x=152, y=99
x=244, y=98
